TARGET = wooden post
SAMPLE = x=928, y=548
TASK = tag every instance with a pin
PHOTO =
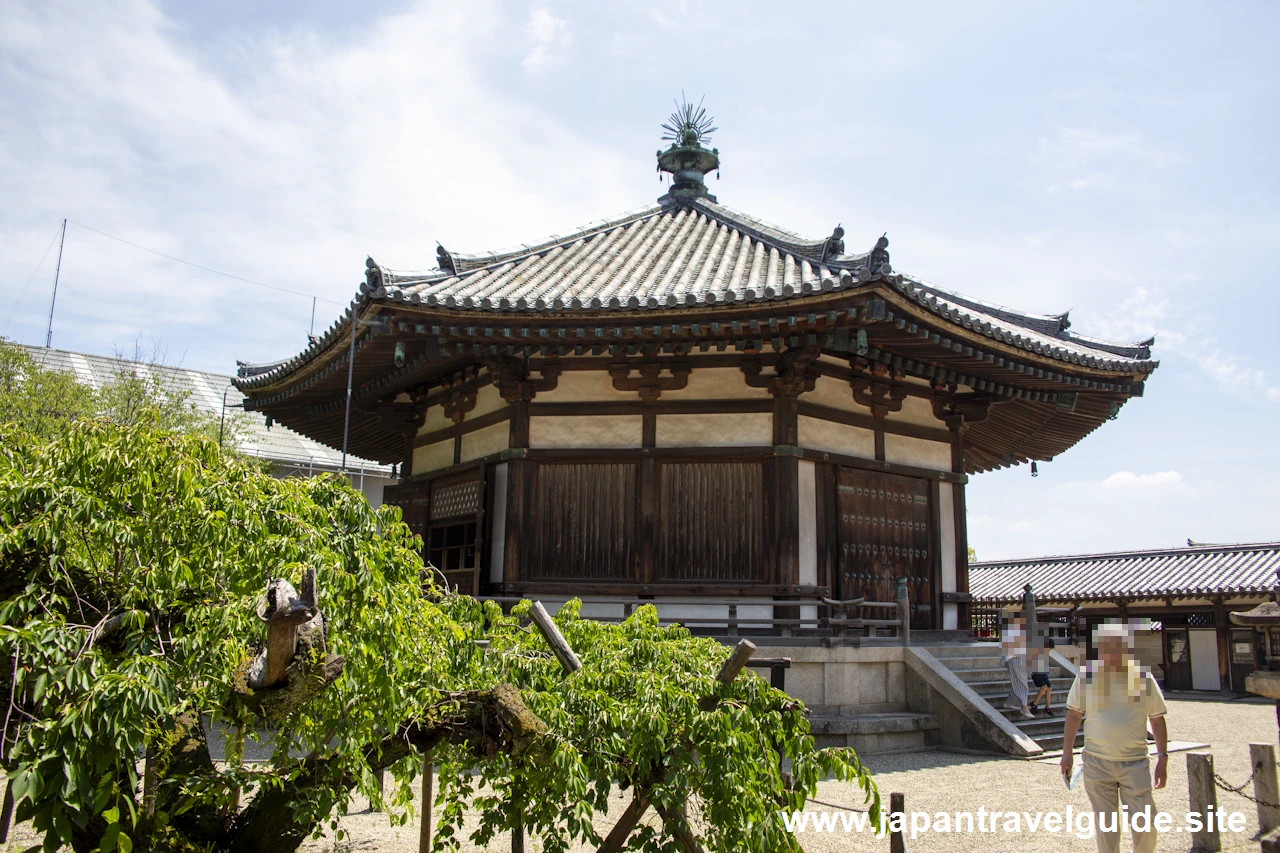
x=6, y=812
x=379, y=778
x=904, y=611
x=729, y=670
x=897, y=840
x=559, y=645
x=428, y=794
x=1203, y=796
x=1266, y=790
x=517, y=829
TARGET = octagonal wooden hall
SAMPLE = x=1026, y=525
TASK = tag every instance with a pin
x=685, y=402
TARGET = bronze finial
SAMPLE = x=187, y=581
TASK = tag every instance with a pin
x=688, y=160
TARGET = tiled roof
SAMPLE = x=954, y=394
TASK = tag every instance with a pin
x=204, y=391
x=1193, y=571
x=699, y=253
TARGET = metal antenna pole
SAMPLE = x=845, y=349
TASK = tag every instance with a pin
x=222, y=423
x=48, y=338
x=351, y=364
x=312, y=332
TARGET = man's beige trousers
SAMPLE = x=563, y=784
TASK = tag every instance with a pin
x=1111, y=784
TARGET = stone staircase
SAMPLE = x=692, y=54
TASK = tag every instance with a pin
x=978, y=666
x=872, y=733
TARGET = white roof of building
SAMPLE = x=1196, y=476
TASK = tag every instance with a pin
x=206, y=392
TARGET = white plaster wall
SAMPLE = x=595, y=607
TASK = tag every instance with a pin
x=482, y=442
x=752, y=429
x=917, y=451
x=498, y=530
x=687, y=614
x=372, y=487
x=585, y=386
x=808, y=527
x=916, y=411
x=690, y=614
x=585, y=431
x=835, y=393
x=716, y=383
x=817, y=434
x=434, y=421
x=488, y=399
x=947, y=542
x=433, y=456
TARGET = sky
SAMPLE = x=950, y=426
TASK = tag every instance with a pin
x=1115, y=160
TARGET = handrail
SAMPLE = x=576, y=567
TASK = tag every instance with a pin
x=817, y=615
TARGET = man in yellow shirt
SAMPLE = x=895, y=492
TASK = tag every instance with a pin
x=1116, y=697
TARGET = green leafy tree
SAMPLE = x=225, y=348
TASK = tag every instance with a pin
x=136, y=568
x=38, y=400
x=43, y=400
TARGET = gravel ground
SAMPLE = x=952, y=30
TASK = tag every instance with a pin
x=941, y=781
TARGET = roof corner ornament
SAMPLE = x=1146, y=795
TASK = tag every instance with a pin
x=372, y=275
x=445, y=260
x=687, y=159
x=878, y=259
x=834, y=247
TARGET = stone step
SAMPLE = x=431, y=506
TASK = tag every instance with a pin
x=961, y=665
x=999, y=691
x=1039, y=727
x=1059, y=711
x=871, y=734
x=940, y=637
x=1000, y=686
x=951, y=650
x=984, y=674
x=869, y=724
x=1050, y=743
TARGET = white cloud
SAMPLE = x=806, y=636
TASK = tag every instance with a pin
x=285, y=162
x=1232, y=374
x=548, y=36
x=1074, y=147
x=1128, y=482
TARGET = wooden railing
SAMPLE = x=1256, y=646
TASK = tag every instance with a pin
x=815, y=618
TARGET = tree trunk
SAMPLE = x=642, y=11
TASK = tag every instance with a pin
x=488, y=721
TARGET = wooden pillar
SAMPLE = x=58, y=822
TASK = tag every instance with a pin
x=787, y=484
x=647, y=526
x=960, y=520
x=1222, y=631
x=519, y=474
x=935, y=553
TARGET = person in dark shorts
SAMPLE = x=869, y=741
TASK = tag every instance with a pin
x=1040, y=677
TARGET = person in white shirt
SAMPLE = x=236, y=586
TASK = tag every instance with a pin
x=1014, y=647
x=1116, y=696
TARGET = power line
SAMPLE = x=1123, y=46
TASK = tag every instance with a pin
x=202, y=267
x=27, y=286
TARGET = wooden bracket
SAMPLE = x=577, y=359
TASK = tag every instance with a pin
x=650, y=383
x=511, y=375
x=879, y=395
x=969, y=408
x=794, y=373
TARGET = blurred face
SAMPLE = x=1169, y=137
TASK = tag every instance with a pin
x=1112, y=651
